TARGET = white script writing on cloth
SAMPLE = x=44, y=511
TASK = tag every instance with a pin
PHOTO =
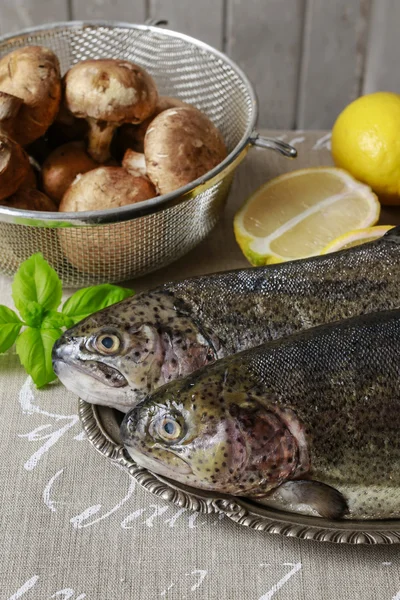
x=89, y=516
x=193, y=581
x=65, y=594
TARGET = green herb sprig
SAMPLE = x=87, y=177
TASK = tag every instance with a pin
x=37, y=292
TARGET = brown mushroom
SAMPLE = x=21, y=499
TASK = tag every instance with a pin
x=31, y=74
x=132, y=136
x=134, y=163
x=100, y=250
x=107, y=93
x=14, y=166
x=106, y=187
x=30, y=180
x=181, y=145
x=62, y=166
x=29, y=199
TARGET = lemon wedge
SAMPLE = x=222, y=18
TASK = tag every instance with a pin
x=299, y=213
x=357, y=237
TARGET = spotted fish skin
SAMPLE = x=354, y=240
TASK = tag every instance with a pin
x=170, y=332
x=320, y=406
x=247, y=307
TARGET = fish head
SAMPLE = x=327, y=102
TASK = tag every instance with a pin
x=118, y=355
x=178, y=434
x=206, y=434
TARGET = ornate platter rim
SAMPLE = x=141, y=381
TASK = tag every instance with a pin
x=239, y=510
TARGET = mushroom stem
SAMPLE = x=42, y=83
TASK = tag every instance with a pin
x=100, y=136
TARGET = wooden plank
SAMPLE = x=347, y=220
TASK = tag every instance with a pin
x=131, y=11
x=202, y=20
x=382, y=65
x=333, y=59
x=20, y=14
x=264, y=38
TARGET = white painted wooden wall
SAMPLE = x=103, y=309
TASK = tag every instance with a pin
x=306, y=58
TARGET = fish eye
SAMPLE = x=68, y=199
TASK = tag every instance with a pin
x=107, y=343
x=168, y=429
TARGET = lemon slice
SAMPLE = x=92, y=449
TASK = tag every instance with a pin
x=297, y=214
x=357, y=237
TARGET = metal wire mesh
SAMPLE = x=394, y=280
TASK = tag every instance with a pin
x=88, y=254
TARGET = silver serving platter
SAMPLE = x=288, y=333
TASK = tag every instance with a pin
x=101, y=425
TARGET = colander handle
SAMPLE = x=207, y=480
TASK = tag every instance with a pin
x=263, y=142
x=156, y=22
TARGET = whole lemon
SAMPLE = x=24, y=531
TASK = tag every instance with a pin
x=366, y=142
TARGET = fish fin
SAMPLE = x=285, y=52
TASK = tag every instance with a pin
x=326, y=500
x=393, y=235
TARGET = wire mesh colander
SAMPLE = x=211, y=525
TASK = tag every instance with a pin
x=118, y=244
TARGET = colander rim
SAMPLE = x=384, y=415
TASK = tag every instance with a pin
x=132, y=211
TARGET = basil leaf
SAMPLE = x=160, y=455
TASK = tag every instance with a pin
x=91, y=299
x=36, y=281
x=54, y=320
x=34, y=348
x=33, y=313
x=10, y=326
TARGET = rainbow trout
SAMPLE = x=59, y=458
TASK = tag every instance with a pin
x=118, y=355
x=308, y=423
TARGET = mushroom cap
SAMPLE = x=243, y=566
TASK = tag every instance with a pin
x=99, y=250
x=62, y=166
x=30, y=180
x=181, y=145
x=9, y=107
x=29, y=199
x=32, y=73
x=111, y=90
x=134, y=163
x=106, y=187
x=14, y=166
x=132, y=136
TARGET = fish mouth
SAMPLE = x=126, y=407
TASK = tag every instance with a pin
x=156, y=465
x=95, y=391
x=109, y=376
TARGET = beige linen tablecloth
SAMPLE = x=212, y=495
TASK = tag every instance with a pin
x=74, y=525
